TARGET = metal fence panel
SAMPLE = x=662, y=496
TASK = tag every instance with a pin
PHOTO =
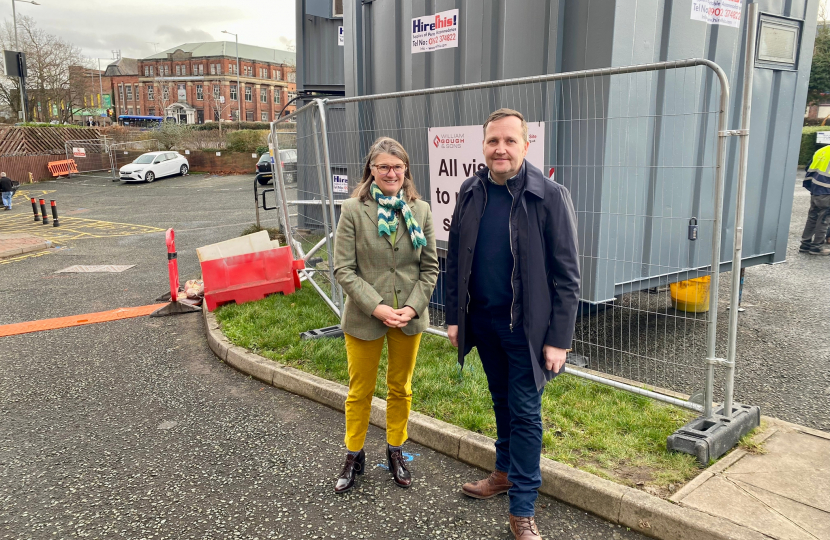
x=639, y=150
x=90, y=156
x=303, y=200
x=126, y=152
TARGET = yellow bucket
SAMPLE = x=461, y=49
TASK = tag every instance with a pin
x=691, y=295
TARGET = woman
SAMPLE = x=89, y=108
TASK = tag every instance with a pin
x=385, y=260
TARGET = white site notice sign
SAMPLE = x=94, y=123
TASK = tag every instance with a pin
x=79, y=152
x=455, y=154
x=435, y=32
x=726, y=12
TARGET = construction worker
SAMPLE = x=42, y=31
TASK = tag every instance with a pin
x=818, y=218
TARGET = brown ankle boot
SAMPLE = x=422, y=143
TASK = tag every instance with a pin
x=491, y=486
x=524, y=528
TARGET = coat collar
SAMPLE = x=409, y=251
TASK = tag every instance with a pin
x=534, y=180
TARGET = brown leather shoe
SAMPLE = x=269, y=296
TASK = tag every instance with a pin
x=524, y=528
x=354, y=465
x=398, y=468
x=495, y=484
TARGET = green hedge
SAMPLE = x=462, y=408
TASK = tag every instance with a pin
x=213, y=126
x=808, y=143
x=43, y=124
x=246, y=140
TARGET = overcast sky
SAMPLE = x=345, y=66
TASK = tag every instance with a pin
x=100, y=26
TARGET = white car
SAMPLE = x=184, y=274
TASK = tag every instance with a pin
x=147, y=167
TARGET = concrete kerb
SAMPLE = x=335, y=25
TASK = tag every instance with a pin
x=617, y=504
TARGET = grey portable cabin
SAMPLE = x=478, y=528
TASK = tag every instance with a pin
x=503, y=39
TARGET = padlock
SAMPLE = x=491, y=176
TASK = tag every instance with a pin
x=693, y=229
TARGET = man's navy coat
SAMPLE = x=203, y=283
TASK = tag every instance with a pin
x=546, y=280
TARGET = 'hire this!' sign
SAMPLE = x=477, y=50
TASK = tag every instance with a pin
x=435, y=32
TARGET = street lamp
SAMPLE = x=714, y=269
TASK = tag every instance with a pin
x=238, y=85
x=17, y=46
x=100, y=85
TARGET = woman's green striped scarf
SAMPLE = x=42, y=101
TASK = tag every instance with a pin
x=388, y=217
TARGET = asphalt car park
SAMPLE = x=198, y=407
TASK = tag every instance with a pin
x=134, y=429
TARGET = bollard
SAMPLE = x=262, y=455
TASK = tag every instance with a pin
x=172, y=264
x=54, y=213
x=34, y=209
x=43, y=211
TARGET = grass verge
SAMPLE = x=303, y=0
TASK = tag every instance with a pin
x=610, y=433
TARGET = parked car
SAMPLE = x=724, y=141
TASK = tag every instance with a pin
x=147, y=167
x=288, y=158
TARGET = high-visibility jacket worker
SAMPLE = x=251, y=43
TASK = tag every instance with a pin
x=817, y=181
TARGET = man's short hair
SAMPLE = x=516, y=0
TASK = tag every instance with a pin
x=505, y=113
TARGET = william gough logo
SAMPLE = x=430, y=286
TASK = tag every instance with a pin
x=451, y=140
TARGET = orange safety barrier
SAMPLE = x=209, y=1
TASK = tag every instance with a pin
x=63, y=167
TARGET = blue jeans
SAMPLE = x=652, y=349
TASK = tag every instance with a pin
x=7, y=198
x=505, y=356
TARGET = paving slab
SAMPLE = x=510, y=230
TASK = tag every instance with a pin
x=809, y=519
x=719, y=496
x=783, y=492
x=12, y=244
x=811, y=488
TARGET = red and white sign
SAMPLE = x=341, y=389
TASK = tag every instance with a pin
x=455, y=154
x=435, y=32
x=726, y=12
x=79, y=152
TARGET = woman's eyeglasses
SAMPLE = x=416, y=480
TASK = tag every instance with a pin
x=384, y=169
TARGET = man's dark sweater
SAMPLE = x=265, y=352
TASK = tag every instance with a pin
x=490, y=279
x=5, y=184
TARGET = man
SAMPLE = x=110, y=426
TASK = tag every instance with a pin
x=512, y=292
x=818, y=217
x=6, y=191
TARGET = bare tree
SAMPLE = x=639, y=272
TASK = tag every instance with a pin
x=164, y=94
x=50, y=80
x=217, y=106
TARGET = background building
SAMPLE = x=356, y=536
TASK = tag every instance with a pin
x=197, y=83
x=90, y=96
x=122, y=72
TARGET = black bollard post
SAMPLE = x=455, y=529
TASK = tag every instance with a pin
x=54, y=213
x=43, y=211
x=34, y=209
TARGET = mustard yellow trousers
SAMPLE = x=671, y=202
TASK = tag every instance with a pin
x=364, y=357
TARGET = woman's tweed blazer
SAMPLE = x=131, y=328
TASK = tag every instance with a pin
x=371, y=270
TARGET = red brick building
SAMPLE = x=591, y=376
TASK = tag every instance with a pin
x=122, y=72
x=197, y=83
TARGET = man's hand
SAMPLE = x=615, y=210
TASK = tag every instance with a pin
x=390, y=317
x=452, y=333
x=554, y=358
